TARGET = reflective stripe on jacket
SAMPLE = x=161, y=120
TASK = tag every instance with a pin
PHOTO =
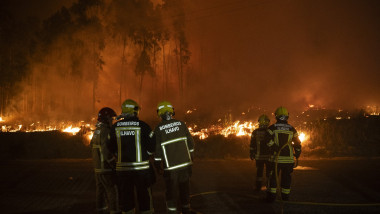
x=259, y=144
x=282, y=133
x=102, y=157
x=174, y=144
x=130, y=140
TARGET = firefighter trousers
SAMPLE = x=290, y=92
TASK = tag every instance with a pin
x=260, y=164
x=139, y=181
x=106, y=193
x=178, y=186
x=284, y=170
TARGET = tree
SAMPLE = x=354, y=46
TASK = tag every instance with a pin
x=175, y=10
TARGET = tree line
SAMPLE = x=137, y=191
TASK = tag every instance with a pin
x=90, y=51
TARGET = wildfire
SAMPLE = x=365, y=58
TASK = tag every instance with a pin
x=237, y=129
x=243, y=129
x=72, y=130
x=303, y=137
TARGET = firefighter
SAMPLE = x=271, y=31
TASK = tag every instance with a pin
x=286, y=145
x=173, y=157
x=104, y=163
x=130, y=140
x=260, y=151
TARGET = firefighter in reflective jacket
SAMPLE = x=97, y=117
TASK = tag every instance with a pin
x=104, y=163
x=130, y=140
x=260, y=151
x=173, y=157
x=286, y=145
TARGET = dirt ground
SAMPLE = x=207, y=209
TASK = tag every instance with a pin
x=217, y=186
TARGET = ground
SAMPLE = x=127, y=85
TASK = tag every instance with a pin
x=217, y=186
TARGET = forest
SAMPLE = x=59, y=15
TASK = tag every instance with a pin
x=92, y=53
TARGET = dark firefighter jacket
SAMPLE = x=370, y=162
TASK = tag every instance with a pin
x=103, y=158
x=174, y=144
x=284, y=136
x=130, y=140
x=259, y=144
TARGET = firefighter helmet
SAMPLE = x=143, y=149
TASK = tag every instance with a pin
x=164, y=107
x=105, y=114
x=263, y=120
x=281, y=113
x=130, y=106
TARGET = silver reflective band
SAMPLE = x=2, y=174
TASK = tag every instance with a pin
x=172, y=208
x=174, y=140
x=133, y=163
x=130, y=106
x=191, y=150
x=160, y=107
x=179, y=166
x=157, y=159
x=131, y=168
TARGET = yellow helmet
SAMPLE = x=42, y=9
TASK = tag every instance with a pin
x=130, y=106
x=163, y=107
x=263, y=120
x=281, y=113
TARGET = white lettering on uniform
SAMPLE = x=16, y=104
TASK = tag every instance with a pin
x=128, y=123
x=167, y=131
x=127, y=133
x=170, y=125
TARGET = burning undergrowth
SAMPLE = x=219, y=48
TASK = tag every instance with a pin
x=220, y=138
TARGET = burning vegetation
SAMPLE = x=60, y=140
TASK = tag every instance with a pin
x=57, y=72
x=355, y=135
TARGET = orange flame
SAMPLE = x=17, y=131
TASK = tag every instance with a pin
x=72, y=130
x=237, y=129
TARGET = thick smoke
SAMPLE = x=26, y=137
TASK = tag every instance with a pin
x=291, y=53
x=242, y=54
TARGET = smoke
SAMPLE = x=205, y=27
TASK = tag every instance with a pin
x=243, y=54
x=290, y=53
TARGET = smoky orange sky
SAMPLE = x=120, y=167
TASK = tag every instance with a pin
x=288, y=52
x=269, y=53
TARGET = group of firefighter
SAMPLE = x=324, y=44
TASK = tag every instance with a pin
x=275, y=147
x=128, y=154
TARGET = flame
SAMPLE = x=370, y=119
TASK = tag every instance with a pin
x=89, y=136
x=202, y=134
x=1, y=119
x=72, y=130
x=243, y=129
x=237, y=129
x=303, y=137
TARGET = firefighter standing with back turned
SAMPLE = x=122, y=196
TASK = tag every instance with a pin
x=130, y=139
x=104, y=163
x=173, y=157
x=286, y=144
x=260, y=151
